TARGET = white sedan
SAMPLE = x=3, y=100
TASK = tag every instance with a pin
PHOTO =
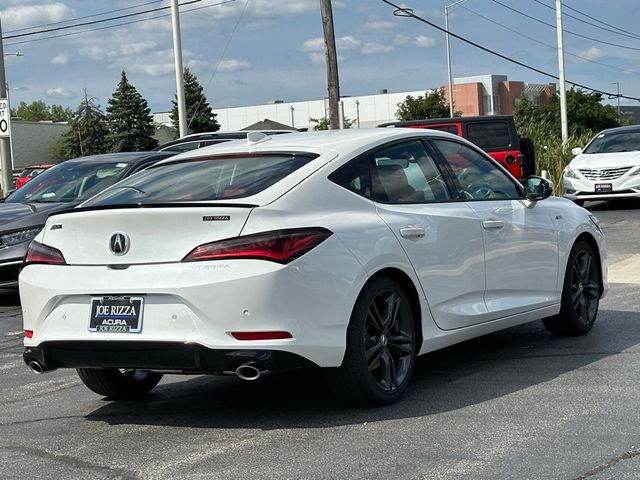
x=352, y=250
x=608, y=168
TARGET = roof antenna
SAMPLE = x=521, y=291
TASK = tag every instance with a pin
x=257, y=137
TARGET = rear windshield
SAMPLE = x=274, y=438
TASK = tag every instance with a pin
x=489, y=134
x=209, y=178
x=614, y=142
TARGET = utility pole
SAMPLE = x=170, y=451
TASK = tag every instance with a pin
x=5, y=140
x=564, y=126
x=177, y=52
x=446, y=27
x=617, y=84
x=333, y=86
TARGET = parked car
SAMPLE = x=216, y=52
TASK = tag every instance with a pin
x=199, y=140
x=608, y=168
x=28, y=173
x=495, y=134
x=352, y=250
x=24, y=212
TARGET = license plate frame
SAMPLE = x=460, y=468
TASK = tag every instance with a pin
x=116, y=314
x=603, y=188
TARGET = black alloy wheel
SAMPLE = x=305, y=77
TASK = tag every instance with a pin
x=381, y=347
x=581, y=293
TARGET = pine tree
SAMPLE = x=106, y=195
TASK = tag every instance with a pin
x=129, y=120
x=200, y=118
x=86, y=134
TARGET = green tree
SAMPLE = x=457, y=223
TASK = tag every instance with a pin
x=86, y=134
x=129, y=120
x=37, y=111
x=585, y=113
x=200, y=118
x=431, y=105
x=323, y=123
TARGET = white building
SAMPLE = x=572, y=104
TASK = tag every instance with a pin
x=364, y=111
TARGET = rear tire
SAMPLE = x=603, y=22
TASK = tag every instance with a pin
x=580, y=203
x=580, y=294
x=119, y=383
x=381, y=346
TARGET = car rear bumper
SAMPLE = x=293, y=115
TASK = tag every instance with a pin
x=176, y=357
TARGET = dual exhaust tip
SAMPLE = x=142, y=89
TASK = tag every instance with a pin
x=246, y=371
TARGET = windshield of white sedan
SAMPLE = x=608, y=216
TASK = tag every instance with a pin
x=69, y=182
x=199, y=179
x=615, y=142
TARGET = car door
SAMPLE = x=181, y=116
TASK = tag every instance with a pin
x=520, y=237
x=442, y=237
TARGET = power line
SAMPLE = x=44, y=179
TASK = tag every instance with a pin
x=116, y=25
x=598, y=20
x=630, y=35
x=408, y=12
x=81, y=18
x=554, y=47
x=564, y=29
x=93, y=22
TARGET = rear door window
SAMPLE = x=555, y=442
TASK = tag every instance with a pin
x=489, y=135
x=220, y=177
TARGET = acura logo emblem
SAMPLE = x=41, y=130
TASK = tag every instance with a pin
x=119, y=243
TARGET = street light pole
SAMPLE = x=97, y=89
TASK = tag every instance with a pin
x=446, y=27
x=6, y=162
x=564, y=126
x=177, y=52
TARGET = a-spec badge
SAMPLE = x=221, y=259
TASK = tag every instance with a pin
x=216, y=218
x=119, y=243
x=56, y=227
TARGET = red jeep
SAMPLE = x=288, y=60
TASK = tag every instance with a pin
x=495, y=134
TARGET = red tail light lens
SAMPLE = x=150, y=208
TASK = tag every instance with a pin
x=248, y=336
x=281, y=246
x=28, y=333
x=39, y=253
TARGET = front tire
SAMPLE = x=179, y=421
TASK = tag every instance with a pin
x=580, y=294
x=119, y=383
x=381, y=346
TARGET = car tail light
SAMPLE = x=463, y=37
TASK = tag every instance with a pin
x=39, y=253
x=28, y=333
x=276, y=335
x=281, y=246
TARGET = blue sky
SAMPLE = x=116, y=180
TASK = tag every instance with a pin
x=251, y=52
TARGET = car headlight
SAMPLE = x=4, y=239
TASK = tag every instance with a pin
x=570, y=173
x=18, y=237
x=635, y=172
x=596, y=223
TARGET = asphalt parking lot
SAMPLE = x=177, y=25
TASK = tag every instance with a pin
x=512, y=405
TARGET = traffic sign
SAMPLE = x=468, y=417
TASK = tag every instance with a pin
x=5, y=118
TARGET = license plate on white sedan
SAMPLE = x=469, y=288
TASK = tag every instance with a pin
x=116, y=314
x=603, y=188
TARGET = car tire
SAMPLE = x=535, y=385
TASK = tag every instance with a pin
x=380, y=350
x=580, y=203
x=581, y=293
x=119, y=383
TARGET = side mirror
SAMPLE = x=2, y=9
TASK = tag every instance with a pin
x=576, y=151
x=537, y=188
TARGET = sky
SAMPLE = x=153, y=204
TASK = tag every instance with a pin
x=249, y=52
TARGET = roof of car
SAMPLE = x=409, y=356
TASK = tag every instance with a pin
x=122, y=156
x=340, y=141
x=627, y=128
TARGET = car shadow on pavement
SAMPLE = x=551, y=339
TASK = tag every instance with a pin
x=626, y=204
x=470, y=373
x=9, y=298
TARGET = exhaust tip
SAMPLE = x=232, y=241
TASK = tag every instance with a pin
x=36, y=367
x=248, y=372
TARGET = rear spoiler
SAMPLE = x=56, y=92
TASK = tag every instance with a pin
x=153, y=205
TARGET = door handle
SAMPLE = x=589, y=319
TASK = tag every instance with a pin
x=492, y=224
x=412, y=232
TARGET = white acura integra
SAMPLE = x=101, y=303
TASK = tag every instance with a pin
x=353, y=250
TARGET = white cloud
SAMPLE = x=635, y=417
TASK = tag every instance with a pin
x=59, y=92
x=20, y=16
x=313, y=45
x=154, y=69
x=376, y=25
x=423, y=41
x=401, y=39
x=593, y=53
x=60, y=59
x=137, y=48
x=373, y=48
x=347, y=42
x=317, y=58
x=233, y=65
